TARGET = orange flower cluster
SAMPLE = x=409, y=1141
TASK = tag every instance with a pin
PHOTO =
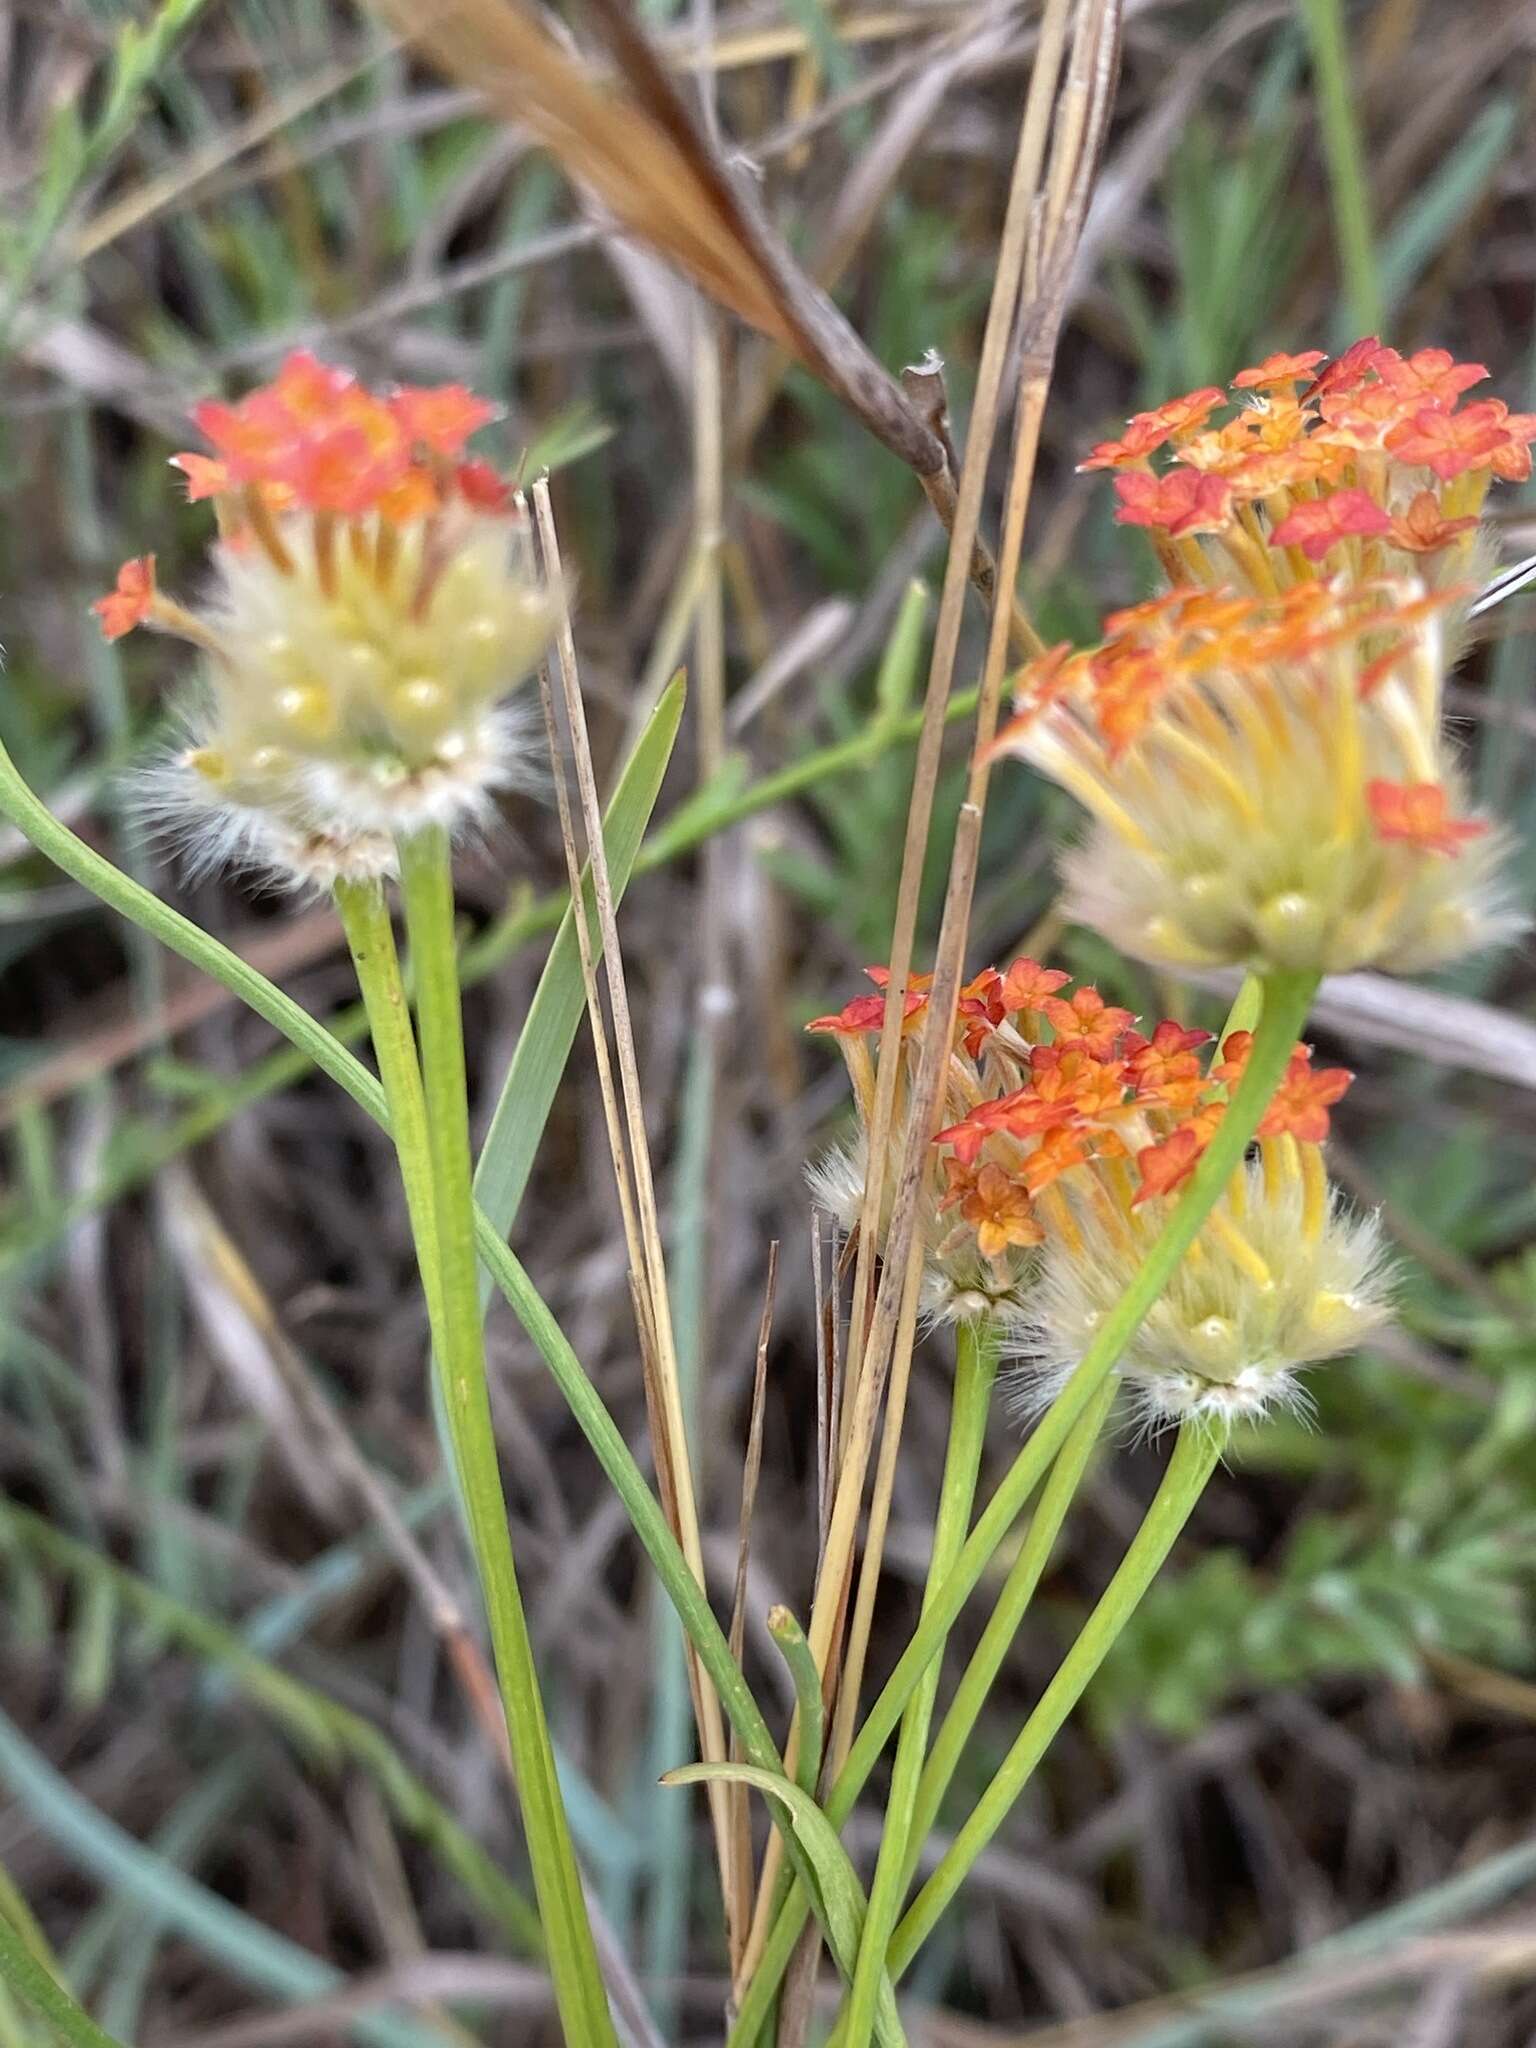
x=374, y=600
x=1370, y=461
x=317, y=440
x=1053, y=1084
x=1068, y=1130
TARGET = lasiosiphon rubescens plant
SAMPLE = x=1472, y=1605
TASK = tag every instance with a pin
x=1068, y=1132
x=372, y=605
x=1261, y=749
x=1261, y=753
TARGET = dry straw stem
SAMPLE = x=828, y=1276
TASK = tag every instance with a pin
x=1049, y=222
x=632, y=1160
x=1082, y=116
x=738, y=1898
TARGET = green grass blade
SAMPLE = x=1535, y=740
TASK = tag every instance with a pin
x=1344, y=147
x=549, y=1030
x=255, y=1954
x=1444, y=201
x=839, y=1897
x=323, y=1731
x=24, y=1972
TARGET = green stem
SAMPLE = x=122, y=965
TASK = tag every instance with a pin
x=1195, y=1456
x=430, y=1121
x=370, y=936
x=1006, y=1619
x=976, y=1360
x=26, y=1973
x=1343, y=147
x=1286, y=999
x=190, y=942
x=810, y=1708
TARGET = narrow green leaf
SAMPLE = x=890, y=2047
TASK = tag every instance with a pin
x=256, y=1954
x=549, y=1030
x=902, y=659
x=1444, y=201
x=841, y=1905
x=322, y=1729
x=22, y=1970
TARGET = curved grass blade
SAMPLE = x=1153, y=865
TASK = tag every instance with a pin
x=26, y=1973
x=838, y=1900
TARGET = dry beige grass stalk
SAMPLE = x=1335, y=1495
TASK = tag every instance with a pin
x=632, y=1169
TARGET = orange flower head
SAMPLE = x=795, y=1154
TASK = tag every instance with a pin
x=375, y=603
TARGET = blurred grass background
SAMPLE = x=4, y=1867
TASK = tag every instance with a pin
x=233, y=1771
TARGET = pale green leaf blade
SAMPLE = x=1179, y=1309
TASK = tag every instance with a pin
x=841, y=1905
x=549, y=1030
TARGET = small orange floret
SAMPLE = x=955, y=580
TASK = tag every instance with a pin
x=1142, y=437
x=999, y=1210
x=1418, y=813
x=1450, y=443
x=129, y=602
x=1086, y=1016
x=1189, y=411
x=1429, y=376
x=308, y=390
x=1184, y=501
x=981, y=1009
x=440, y=417
x=1424, y=529
x=1318, y=525
x=250, y=438
x=1277, y=369
x=1167, y=1166
x=1302, y=1101
x=1029, y=986
x=1348, y=371
x=206, y=477
x=341, y=470
x=482, y=488
x=864, y=1013
x=1165, y=1068
x=1057, y=1153
x=1235, y=1048
x=867, y=1013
